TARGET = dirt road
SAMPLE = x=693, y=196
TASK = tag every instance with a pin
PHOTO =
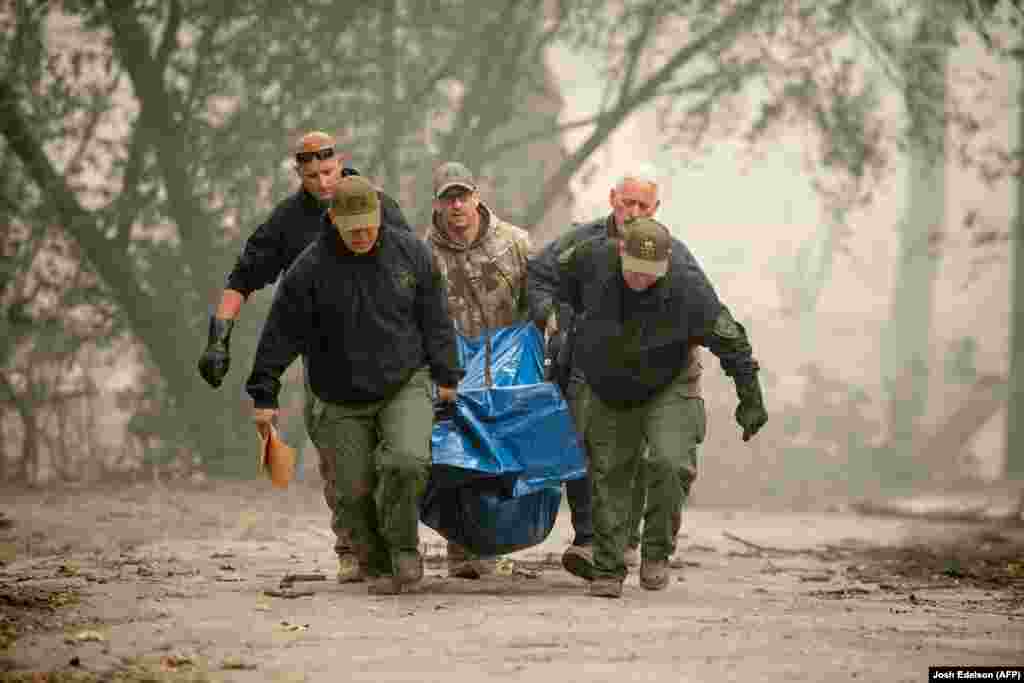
x=182, y=583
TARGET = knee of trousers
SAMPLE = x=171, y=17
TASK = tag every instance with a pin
x=405, y=470
x=353, y=493
x=658, y=469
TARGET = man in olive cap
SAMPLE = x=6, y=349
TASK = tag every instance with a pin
x=642, y=301
x=366, y=309
x=268, y=252
x=637, y=193
x=483, y=261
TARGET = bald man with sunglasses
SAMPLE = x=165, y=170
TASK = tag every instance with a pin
x=293, y=225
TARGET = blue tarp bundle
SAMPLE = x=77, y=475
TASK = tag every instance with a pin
x=499, y=459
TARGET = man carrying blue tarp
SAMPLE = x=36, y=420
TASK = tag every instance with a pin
x=636, y=194
x=482, y=259
x=269, y=251
x=366, y=309
x=642, y=302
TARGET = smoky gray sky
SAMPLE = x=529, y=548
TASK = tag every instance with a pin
x=745, y=217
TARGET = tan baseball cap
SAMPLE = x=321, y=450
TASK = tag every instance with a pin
x=356, y=204
x=453, y=174
x=647, y=249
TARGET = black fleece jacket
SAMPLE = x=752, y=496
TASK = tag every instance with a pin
x=364, y=323
x=630, y=345
x=290, y=228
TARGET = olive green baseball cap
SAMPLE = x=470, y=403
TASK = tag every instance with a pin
x=453, y=174
x=355, y=205
x=648, y=244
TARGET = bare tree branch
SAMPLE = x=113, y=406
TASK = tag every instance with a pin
x=170, y=37
x=158, y=114
x=537, y=135
x=149, y=317
x=98, y=107
x=635, y=48
x=742, y=16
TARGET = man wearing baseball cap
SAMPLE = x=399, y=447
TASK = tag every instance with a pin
x=268, y=252
x=642, y=302
x=483, y=261
x=366, y=309
x=635, y=194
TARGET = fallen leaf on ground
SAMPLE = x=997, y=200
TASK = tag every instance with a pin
x=174, y=661
x=87, y=637
x=237, y=663
x=291, y=628
x=506, y=566
x=286, y=593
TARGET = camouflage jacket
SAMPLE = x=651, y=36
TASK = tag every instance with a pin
x=486, y=280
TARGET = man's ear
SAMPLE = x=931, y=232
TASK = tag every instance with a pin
x=437, y=205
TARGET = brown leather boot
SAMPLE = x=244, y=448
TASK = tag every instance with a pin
x=654, y=574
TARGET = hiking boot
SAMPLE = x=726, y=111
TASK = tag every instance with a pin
x=632, y=556
x=350, y=569
x=408, y=568
x=654, y=574
x=472, y=569
x=578, y=560
x=385, y=584
x=605, y=588
x=462, y=564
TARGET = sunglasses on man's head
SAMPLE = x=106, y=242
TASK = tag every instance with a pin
x=321, y=154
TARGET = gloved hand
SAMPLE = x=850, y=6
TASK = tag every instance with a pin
x=750, y=413
x=216, y=359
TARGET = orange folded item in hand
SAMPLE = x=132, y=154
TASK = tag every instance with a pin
x=277, y=459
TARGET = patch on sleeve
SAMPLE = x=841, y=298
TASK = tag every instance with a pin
x=726, y=327
x=566, y=255
x=405, y=279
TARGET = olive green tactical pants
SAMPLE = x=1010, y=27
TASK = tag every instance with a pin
x=579, y=491
x=381, y=456
x=673, y=424
x=312, y=410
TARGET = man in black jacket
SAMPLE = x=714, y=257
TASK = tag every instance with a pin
x=290, y=228
x=636, y=194
x=642, y=302
x=367, y=311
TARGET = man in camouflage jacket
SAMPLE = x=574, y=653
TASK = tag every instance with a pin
x=483, y=261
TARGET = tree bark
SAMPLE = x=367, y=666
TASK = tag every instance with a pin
x=906, y=340
x=157, y=320
x=1015, y=407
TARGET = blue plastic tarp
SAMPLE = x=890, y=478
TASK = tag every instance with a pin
x=499, y=460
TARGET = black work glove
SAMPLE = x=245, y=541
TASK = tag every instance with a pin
x=216, y=359
x=750, y=413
